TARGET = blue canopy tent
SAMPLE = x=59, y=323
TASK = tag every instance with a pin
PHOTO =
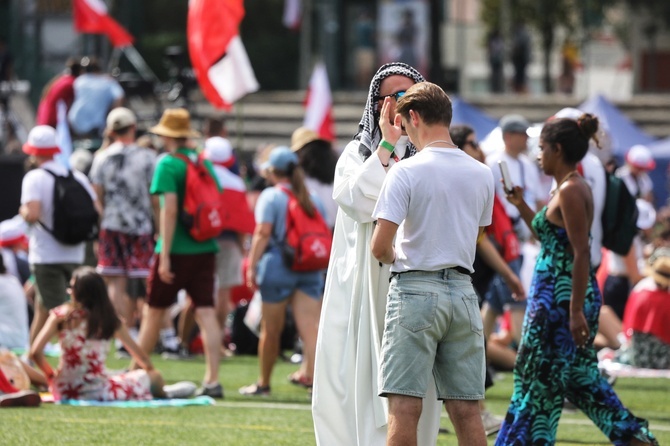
x=661, y=151
x=467, y=114
x=624, y=134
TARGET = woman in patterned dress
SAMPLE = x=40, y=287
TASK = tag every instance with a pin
x=85, y=326
x=556, y=358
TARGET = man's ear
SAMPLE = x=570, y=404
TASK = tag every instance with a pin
x=414, y=118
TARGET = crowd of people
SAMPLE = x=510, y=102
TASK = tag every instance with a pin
x=426, y=293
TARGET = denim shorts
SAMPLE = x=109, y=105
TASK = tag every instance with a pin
x=499, y=296
x=433, y=323
x=277, y=282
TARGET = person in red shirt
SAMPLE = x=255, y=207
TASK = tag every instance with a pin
x=58, y=89
x=646, y=319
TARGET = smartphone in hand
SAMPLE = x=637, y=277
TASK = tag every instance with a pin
x=507, y=179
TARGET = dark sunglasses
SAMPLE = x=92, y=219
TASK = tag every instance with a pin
x=474, y=144
x=397, y=95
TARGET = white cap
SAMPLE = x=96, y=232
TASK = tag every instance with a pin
x=120, y=118
x=640, y=157
x=218, y=150
x=41, y=141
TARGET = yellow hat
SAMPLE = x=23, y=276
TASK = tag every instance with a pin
x=175, y=123
x=303, y=136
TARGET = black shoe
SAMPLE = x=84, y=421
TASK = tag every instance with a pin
x=180, y=354
x=214, y=392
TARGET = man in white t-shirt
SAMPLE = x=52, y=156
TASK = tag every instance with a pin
x=639, y=161
x=438, y=203
x=523, y=171
x=51, y=261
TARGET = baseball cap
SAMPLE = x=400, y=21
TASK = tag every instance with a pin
x=281, y=158
x=640, y=157
x=514, y=124
x=218, y=150
x=120, y=118
x=41, y=141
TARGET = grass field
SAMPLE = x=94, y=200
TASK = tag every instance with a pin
x=282, y=419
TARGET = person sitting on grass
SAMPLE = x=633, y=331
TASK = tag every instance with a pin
x=85, y=326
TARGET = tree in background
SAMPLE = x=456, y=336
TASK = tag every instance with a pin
x=545, y=16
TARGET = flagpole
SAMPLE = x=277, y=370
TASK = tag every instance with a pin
x=305, y=44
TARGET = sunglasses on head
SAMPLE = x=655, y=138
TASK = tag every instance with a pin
x=397, y=95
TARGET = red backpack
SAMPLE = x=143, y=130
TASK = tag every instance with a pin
x=201, y=212
x=308, y=239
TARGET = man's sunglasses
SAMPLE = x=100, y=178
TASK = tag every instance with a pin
x=397, y=95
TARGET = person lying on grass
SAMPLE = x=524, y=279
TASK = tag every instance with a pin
x=85, y=326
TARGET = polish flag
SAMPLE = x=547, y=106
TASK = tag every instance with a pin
x=217, y=54
x=91, y=16
x=292, y=14
x=319, y=104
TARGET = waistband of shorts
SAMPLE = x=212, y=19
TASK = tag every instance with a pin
x=439, y=272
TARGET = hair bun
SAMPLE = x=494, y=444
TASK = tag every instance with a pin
x=588, y=124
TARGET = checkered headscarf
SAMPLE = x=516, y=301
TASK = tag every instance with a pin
x=368, y=129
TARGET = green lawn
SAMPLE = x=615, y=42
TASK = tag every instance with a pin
x=282, y=419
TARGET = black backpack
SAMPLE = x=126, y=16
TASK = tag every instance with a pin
x=75, y=218
x=619, y=216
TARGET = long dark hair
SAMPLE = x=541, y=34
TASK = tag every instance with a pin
x=318, y=160
x=296, y=176
x=90, y=291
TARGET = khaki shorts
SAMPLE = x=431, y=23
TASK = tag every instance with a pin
x=51, y=282
x=229, y=264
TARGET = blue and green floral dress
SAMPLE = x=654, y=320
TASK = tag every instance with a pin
x=550, y=367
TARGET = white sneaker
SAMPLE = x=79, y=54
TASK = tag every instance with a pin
x=182, y=389
x=491, y=422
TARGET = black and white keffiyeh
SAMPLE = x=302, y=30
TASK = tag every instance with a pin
x=368, y=129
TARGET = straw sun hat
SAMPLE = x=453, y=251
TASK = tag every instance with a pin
x=175, y=123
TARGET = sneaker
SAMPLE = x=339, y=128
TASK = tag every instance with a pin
x=255, y=390
x=182, y=389
x=215, y=391
x=491, y=422
x=180, y=353
x=22, y=398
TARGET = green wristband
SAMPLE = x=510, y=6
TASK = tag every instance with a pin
x=387, y=145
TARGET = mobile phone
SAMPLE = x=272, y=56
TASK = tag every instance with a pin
x=507, y=179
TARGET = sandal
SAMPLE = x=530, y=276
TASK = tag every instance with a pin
x=300, y=380
x=255, y=390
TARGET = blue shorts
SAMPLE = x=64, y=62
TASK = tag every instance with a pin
x=433, y=324
x=499, y=296
x=277, y=282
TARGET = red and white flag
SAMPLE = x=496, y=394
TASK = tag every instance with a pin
x=319, y=104
x=292, y=14
x=217, y=54
x=91, y=16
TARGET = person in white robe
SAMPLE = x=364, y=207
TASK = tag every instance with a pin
x=346, y=408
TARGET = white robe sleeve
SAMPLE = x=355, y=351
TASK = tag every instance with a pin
x=357, y=183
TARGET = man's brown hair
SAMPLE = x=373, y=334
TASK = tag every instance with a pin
x=429, y=101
